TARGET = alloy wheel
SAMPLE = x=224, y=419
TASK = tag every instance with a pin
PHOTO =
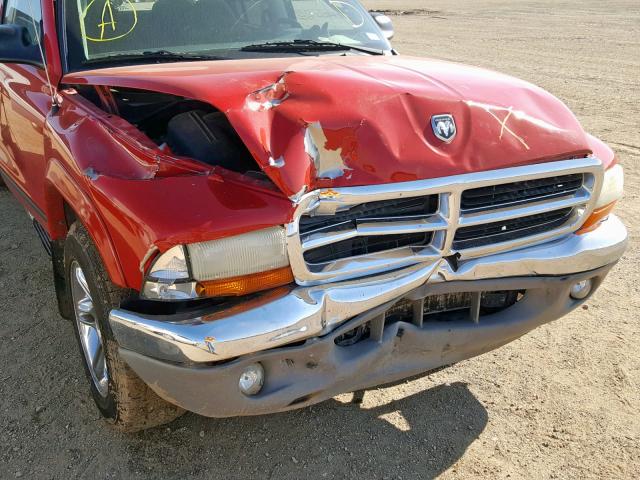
x=88, y=330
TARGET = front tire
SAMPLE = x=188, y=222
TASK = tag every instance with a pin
x=120, y=395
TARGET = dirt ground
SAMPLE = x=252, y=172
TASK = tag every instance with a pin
x=562, y=402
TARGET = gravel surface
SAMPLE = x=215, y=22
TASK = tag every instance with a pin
x=561, y=402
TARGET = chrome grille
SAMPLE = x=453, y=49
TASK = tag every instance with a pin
x=344, y=233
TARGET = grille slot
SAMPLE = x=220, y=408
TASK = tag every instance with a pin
x=365, y=245
x=515, y=228
x=353, y=224
x=400, y=209
x=517, y=193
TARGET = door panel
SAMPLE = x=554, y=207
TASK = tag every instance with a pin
x=24, y=103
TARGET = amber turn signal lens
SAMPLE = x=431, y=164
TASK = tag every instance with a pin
x=595, y=218
x=237, y=286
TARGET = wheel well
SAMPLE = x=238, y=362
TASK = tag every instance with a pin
x=63, y=292
x=70, y=216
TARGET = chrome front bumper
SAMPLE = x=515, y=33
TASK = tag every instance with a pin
x=305, y=373
x=280, y=318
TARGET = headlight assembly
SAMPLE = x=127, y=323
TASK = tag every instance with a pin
x=232, y=266
x=612, y=186
x=611, y=192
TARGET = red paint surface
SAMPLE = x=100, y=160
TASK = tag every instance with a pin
x=374, y=110
x=377, y=109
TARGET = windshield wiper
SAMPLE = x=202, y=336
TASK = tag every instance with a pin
x=153, y=55
x=307, y=46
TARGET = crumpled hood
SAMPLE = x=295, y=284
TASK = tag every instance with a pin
x=335, y=121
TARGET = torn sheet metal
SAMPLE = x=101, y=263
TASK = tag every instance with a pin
x=268, y=97
x=295, y=198
x=91, y=174
x=327, y=162
x=276, y=162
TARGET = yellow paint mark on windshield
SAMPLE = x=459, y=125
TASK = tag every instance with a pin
x=112, y=21
x=108, y=29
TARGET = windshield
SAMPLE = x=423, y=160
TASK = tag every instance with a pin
x=109, y=30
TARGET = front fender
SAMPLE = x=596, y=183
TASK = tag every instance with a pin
x=133, y=201
x=60, y=183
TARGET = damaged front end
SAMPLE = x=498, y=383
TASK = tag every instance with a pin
x=162, y=170
x=303, y=221
x=366, y=311
x=166, y=135
x=295, y=346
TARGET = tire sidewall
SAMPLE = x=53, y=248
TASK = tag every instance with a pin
x=74, y=251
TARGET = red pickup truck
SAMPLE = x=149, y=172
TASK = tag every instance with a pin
x=252, y=206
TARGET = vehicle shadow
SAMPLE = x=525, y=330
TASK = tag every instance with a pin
x=418, y=436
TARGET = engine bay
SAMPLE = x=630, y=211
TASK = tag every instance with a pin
x=178, y=126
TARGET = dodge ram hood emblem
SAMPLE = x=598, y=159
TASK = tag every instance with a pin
x=444, y=127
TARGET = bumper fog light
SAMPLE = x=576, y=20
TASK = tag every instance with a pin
x=252, y=379
x=581, y=290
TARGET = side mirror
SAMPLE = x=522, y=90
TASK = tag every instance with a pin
x=16, y=46
x=385, y=24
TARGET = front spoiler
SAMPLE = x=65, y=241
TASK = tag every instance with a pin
x=283, y=317
x=298, y=376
